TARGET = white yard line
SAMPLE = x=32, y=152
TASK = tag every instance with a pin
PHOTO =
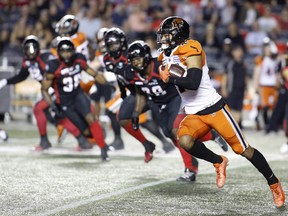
x=120, y=192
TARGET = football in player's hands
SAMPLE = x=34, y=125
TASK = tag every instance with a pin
x=176, y=70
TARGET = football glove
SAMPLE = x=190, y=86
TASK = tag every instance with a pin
x=135, y=120
x=57, y=111
x=164, y=73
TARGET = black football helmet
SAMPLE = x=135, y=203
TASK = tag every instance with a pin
x=31, y=47
x=66, y=50
x=172, y=32
x=67, y=26
x=139, y=55
x=115, y=42
x=100, y=39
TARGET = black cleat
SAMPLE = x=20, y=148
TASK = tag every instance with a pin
x=149, y=148
x=83, y=143
x=188, y=176
x=104, y=155
x=44, y=144
x=117, y=144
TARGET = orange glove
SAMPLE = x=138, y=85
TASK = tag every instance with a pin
x=164, y=73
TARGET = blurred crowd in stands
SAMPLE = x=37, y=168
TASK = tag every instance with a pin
x=217, y=24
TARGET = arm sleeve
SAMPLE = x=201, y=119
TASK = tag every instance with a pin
x=22, y=75
x=191, y=81
x=122, y=89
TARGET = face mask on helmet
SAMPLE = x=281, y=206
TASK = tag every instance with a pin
x=139, y=55
x=66, y=51
x=172, y=32
x=115, y=42
x=31, y=47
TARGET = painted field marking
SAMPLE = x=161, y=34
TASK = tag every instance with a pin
x=120, y=192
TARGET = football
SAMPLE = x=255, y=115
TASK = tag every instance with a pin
x=176, y=70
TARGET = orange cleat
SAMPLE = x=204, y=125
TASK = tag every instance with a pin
x=278, y=194
x=221, y=171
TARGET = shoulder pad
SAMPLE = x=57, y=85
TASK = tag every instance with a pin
x=79, y=39
x=189, y=48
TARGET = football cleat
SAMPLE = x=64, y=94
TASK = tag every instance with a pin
x=167, y=146
x=117, y=144
x=3, y=135
x=221, y=171
x=83, y=144
x=104, y=156
x=44, y=144
x=188, y=176
x=149, y=148
x=278, y=194
x=222, y=143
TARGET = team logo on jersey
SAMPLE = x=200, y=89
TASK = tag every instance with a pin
x=120, y=65
x=71, y=70
x=35, y=72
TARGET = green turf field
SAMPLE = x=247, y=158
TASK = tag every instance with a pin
x=61, y=181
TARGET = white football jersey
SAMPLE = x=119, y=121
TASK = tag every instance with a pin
x=206, y=95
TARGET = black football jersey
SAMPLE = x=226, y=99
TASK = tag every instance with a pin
x=35, y=68
x=153, y=86
x=67, y=78
x=118, y=66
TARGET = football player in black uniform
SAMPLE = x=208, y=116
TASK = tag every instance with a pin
x=161, y=98
x=116, y=60
x=106, y=92
x=64, y=74
x=155, y=95
x=33, y=64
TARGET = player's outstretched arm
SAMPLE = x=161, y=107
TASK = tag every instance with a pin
x=99, y=77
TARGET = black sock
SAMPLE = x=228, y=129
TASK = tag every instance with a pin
x=200, y=151
x=259, y=161
x=114, y=123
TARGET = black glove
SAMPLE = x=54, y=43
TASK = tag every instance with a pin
x=57, y=111
x=135, y=120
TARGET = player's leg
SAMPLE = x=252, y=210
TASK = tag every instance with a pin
x=153, y=127
x=124, y=116
x=230, y=131
x=40, y=116
x=71, y=128
x=190, y=162
x=82, y=107
x=191, y=129
x=117, y=142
